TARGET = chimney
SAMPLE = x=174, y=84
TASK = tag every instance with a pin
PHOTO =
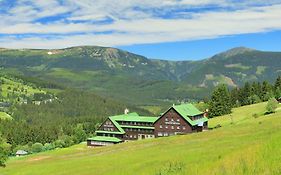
x=126, y=111
x=206, y=113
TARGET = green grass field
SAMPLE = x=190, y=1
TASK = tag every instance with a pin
x=243, y=145
x=10, y=86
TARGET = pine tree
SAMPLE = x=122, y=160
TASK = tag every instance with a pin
x=278, y=83
x=3, y=153
x=220, y=101
x=245, y=94
x=267, y=92
x=234, y=97
x=277, y=87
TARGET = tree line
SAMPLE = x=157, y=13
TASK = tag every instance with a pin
x=224, y=99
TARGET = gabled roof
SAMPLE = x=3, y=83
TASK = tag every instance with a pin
x=117, y=125
x=188, y=110
x=105, y=139
x=134, y=117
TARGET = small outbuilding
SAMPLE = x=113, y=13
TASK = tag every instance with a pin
x=21, y=153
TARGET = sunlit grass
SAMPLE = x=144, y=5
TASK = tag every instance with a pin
x=244, y=145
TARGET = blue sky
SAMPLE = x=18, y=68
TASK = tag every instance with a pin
x=167, y=29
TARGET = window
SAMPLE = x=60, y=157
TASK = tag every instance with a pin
x=178, y=120
x=166, y=127
x=178, y=127
x=131, y=136
x=166, y=119
x=172, y=119
x=172, y=127
x=183, y=127
x=160, y=126
x=160, y=134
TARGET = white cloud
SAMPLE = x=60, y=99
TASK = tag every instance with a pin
x=133, y=22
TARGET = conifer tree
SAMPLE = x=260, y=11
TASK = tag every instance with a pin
x=278, y=83
x=277, y=87
x=3, y=153
x=234, y=97
x=267, y=92
x=220, y=101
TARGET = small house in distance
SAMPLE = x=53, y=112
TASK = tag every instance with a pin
x=21, y=153
x=179, y=119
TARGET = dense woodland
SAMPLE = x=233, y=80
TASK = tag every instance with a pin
x=64, y=119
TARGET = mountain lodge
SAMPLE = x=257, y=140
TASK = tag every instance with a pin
x=178, y=119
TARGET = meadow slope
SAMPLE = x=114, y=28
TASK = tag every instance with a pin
x=243, y=145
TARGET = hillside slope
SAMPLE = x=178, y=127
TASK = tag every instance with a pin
x=137, y=79
x=244, y=145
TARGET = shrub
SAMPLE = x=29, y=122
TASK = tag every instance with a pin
x=271, y=105
x=255, y=115
x=37, y=147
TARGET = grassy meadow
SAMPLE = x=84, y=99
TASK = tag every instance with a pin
x=245, y=144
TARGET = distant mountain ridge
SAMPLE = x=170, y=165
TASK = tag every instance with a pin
x=135, y=78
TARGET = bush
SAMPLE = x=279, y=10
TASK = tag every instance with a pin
x=255, y=115
x=271, y=105
x=37, y=147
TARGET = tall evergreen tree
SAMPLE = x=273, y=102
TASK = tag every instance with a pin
x=220, y=101
x=277, y=83
x=267, y=92
x=234, y=97
x=277, y=87
x=245, y=94
x=3, y=153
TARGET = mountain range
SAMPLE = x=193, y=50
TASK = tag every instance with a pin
x=136, y=79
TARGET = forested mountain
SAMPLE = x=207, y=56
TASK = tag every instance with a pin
x=137, y=79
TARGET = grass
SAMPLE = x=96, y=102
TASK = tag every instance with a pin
x=244, y=145
x=19, y=88
x=5, y=116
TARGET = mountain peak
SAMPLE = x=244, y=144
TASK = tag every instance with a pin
x=235, y=51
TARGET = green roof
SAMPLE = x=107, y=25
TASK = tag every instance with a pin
x=134, y=117
x=117, y=125
x=188, y=110
x=104, y=139
x=138, y=127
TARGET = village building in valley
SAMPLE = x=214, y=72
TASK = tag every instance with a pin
x=178, y=119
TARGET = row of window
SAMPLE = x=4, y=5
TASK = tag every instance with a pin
x=140, y=130
x=172, y=120
x=108, y=129
x=172, y=127
x=141, y=136
x=160, y=134
x=135, y=123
